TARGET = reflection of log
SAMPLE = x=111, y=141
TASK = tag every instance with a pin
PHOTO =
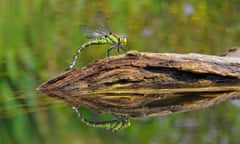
x=148, y=84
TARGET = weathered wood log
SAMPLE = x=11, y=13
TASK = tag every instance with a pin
x=148, y=84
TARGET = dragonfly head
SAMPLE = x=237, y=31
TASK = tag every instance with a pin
x=123, y=39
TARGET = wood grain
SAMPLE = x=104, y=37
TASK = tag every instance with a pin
x=141, y=84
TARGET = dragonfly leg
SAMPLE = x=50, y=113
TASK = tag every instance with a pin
x=123, y=48
x=120, y=48
x=108, y=51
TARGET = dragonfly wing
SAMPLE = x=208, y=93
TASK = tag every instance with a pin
x=90, y=33
x=101, y=22
x=104, y=31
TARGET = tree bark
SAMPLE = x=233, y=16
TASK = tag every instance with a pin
x=141, y=84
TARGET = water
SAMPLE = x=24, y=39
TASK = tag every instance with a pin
x=39, y=38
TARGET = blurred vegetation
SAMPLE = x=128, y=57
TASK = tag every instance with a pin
x=38, y=39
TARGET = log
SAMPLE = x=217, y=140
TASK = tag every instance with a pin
x=140, y=84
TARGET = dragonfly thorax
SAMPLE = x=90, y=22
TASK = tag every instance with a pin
x=113, y=38
x=123, y=39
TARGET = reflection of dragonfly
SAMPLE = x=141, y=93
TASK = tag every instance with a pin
x=114, y=125
x=101, y=36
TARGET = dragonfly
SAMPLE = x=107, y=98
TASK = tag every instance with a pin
x=101, y=36
x=114, y=125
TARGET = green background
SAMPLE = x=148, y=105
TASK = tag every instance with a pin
x=39, y=37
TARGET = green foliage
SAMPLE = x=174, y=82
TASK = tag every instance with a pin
x=38, y=39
